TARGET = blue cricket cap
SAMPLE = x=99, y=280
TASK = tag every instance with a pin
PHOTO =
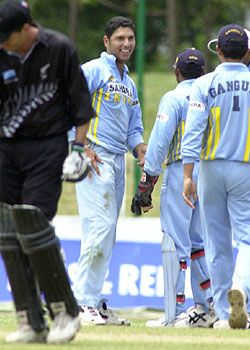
x=190, y=59
x=232, y=35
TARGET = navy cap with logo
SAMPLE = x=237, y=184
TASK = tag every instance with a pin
x=232, y=35
x=13, y=15
x=190, y=59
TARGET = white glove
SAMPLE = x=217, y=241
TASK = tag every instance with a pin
x=76, y=166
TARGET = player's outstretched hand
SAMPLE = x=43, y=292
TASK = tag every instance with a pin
x=76, y=166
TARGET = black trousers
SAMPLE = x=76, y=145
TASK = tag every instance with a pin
x=30, y=171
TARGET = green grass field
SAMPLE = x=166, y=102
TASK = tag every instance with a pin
x=155, y=85
x=136, y=337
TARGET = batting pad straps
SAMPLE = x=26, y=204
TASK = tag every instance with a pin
x=183, y=265
x=199, y=268
x=205, y=284
x=8, y=239
x=180, y=298
x=196, y=254
x=8, y=242
x=34, y=231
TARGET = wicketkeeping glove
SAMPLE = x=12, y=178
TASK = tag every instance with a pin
x=143, y=197
x=77, y=165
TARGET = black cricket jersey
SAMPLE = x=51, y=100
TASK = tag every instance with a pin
x=45, y=93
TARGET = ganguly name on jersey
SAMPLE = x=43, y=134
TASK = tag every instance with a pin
x=228, y=86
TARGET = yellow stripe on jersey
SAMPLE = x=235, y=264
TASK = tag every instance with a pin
x=247, y=148
x=174, y=153
x=216, y=116
x=91, y=120
x=97, y=100
x=203, y=145
x=209, y=140
x=181, y=130
x=182, y=127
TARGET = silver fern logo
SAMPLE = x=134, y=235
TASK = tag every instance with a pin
x=26, y=101
x=43, y=71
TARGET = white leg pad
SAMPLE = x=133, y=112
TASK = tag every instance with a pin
x=171, y=269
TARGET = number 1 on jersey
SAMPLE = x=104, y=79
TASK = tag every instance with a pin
x=236, y=105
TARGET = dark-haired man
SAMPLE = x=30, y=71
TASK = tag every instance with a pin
x=218, y=131
x=42, y=94
x=181, y=226
x=115, y=128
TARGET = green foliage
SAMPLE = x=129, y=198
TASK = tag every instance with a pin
x=197, y=23
x=52, y=14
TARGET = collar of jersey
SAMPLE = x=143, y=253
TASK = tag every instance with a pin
x=231, y=65
x=186, y=82
x=111, y=60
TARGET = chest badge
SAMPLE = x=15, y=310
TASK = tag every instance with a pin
x=43, y=71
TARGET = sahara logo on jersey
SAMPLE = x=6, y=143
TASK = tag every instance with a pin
x=120, y=88
x=163, y=118
x=197, y=106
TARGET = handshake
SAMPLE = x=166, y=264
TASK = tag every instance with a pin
x=142, y=199
x=77, y=165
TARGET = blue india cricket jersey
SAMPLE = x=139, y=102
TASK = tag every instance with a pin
x=166, y=136
x=117, y=124
x=218, y=120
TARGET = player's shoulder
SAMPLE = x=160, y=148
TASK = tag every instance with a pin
x=170, y=100
x=203, y=82
x=54, y=37
x=95, y=63
x=171, y=96
x=97, y=69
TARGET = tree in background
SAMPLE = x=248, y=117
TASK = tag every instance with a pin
x=171, y=25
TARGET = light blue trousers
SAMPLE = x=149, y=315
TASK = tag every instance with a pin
x=224, y=195
x=99, y=201
x=183, y=225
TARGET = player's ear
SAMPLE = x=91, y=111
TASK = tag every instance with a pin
x=177, y=74
x=106, y=41
x=218, y=49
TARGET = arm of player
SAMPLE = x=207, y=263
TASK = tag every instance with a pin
x=189, y=187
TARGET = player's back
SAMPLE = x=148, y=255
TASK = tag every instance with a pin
x=228, y=98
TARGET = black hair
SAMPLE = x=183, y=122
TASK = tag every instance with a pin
x=117, y=22
x=233, y=51
x=191, y=73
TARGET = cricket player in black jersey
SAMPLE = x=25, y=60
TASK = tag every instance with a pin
x=43, y=93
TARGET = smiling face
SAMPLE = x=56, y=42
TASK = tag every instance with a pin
x=121, y=44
